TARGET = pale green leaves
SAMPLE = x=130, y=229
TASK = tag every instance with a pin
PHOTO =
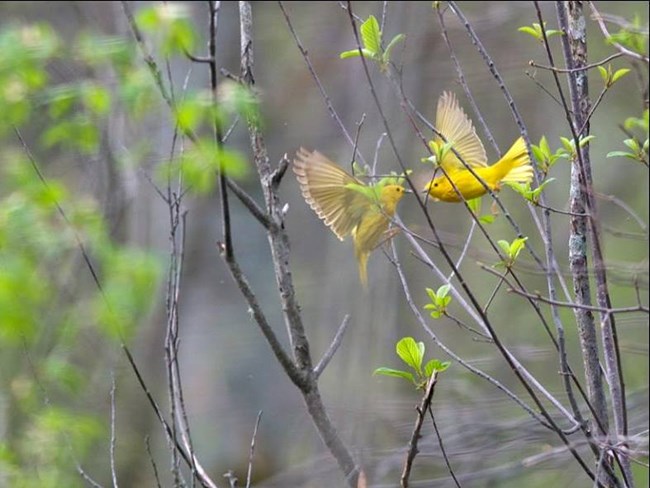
x=475, y=206
x=439, y=150
x=633, y=35
x=536, y=31
x=171, y=23
x=570, y=144
x=412, y=354
x=438, y=301
x=609, y=77
x=524, y=189
x=545, y=157
x=638, y=150
x=371, y=37
x=199, y=165
x=511, y=250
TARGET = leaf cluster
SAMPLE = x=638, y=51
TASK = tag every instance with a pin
x=412, y=354
x=372, y=49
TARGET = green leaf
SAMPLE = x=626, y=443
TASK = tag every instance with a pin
x=475, y=205
x=395, y=373
x=530, y=31
x=431, y=293
x=568, y=144
x=349, y=54
x=543, y=145
x=371, y=35
x=603, y=74
x=516, y=247
x=434, y=365
x=538, y=154
x=505, y=246
x=443, y=291
x=620, y=73
x=410, y=352
x=96, y=98
x=584, y=140
x=487, y=219
x=620, y=154
x=632, y=144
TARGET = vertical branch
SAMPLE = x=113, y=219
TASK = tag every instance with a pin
x=218, y=133
x=305, y=378
x=574, y=44
x=575, y=50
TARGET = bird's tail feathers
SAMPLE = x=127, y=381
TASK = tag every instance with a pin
x=517, y=158
x=363, y=268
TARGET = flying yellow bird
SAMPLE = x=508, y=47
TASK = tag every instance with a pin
x=458, y=130
x=347, y=205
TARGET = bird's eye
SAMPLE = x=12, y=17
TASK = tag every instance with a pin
x=435, y=184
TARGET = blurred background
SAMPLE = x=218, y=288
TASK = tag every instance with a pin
x=229, y=372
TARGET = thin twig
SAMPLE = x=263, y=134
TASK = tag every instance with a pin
x=415, y=435
x=333, y=347
x=321, y=88
x=442, y=447
x=113, y=436
x=153, y=462
x=249, y=472
x=574, y=70
x=608, y=37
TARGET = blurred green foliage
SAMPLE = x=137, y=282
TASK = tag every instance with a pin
x=49, y=240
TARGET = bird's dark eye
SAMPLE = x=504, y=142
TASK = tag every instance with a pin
x=435, y=184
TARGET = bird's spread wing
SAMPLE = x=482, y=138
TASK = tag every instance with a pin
x=328, y=190
x=458, y=129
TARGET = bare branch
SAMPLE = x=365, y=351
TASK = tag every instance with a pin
x=249, y=472
x=333, y=347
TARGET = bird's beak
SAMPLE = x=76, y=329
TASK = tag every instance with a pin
x=406, y=190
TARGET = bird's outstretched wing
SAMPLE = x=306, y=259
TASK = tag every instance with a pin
x=458, y=129
x=329, y=191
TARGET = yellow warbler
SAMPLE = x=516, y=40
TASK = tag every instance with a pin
x=347, y=205
x=458, y=130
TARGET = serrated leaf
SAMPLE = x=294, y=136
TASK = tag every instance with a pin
x=397, y=373
x=371, y=35
x=409, y=352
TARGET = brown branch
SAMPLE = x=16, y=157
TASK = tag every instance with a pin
x=415, y=436
x=574, y=70
x=300, y=369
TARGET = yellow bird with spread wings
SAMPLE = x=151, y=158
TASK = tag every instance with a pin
x=347, y=205
x=459, y=132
